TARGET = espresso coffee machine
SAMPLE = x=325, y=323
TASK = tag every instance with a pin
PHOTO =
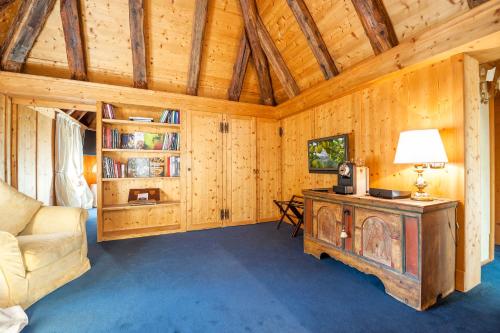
x=351, y=179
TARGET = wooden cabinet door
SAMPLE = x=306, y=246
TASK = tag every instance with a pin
x=268, y=169
x=204, y=170
x=328, y=222
x=240, y=166
x=378, y=237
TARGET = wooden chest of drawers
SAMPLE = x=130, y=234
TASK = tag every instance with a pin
x=409, y=245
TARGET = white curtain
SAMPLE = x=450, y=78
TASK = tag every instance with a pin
x=71, y=188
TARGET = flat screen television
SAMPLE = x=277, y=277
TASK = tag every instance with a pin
x=326, y=154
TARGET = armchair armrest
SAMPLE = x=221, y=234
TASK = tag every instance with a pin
x=57, y=219
x=12, y=271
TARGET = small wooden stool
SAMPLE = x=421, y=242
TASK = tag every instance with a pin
x=293, y=211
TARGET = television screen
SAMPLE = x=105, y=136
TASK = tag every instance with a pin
x=326, y=154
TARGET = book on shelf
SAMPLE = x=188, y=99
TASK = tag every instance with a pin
x=108, y=111
x=141, y=119
x=170, y=116
x=173, y=166
x=171, y=141
x=111, y=138
x=138, y=167
x=113, y=169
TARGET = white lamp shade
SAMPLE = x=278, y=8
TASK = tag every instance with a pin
x=420, y=147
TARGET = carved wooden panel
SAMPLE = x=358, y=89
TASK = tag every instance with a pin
x=378, y=237
x=328, y=222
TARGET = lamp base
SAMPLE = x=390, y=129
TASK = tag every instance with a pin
x=421, y=184
x=421, y=196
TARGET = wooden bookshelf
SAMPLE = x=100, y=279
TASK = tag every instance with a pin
x=130, y=206
x=117, y=219
x=141, y=151
x=134, y=179
x=141, y=124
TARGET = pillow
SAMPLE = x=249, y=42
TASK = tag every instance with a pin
x=16, y=209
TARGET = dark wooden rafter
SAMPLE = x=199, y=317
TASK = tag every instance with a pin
x=70, y=16
x=136, y=17
x=5, y=3
x=23, y=32
x=249, y=11
x=314, y=38
x=276, y=60
x=377, y=24
x=239, y=69
x=475, y=3
x=199, y=24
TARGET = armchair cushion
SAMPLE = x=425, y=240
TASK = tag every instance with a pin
x=16, y=209
x=43, y=249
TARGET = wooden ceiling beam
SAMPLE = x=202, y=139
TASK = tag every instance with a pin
x=377, y=24
x=314, y=38
x=5, y=3
x=70, y=16
x=23, y=32
x=276, y=60
x=199, y=24
x=475, y=3
x=249, y=11
x=80, y=117
x=239, y=69
x=136, y=18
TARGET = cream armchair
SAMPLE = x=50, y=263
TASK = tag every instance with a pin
x=49, y=252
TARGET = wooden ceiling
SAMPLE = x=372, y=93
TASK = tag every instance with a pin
x=347, y=31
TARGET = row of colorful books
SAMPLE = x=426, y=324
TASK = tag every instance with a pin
x=140, y=167
x=170, y=116
x=110, y=138
x=139, y=140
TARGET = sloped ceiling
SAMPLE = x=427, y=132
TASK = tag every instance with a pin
x=168, y=29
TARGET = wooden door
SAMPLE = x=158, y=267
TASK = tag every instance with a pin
x=204, y=170
x=240, y=166
x=268, y=169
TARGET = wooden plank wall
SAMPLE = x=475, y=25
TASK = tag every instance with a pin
x=429, y=97
x=497, y=170
x=27, y=150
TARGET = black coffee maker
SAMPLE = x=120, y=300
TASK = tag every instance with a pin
x=346, y=181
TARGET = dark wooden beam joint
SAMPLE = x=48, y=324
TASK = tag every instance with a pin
x=377, y=24
x=249, y=11
x=314, y=38
x=136, y=16
x=199, y=24
x=23, y=32
x=70, y=17
x=239, y=69
x=475, y=3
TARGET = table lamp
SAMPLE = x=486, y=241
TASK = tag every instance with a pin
x=421, y=148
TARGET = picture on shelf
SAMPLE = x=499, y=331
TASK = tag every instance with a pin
x=157, y=167
x=138, y=167
x=139, y=140
x=153, y=141
x=146, y=196
x=127, y=141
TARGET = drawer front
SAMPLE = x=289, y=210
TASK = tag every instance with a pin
x=378, y=236
x=327, y=222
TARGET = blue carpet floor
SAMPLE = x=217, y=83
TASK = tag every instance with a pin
x=243, y=279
